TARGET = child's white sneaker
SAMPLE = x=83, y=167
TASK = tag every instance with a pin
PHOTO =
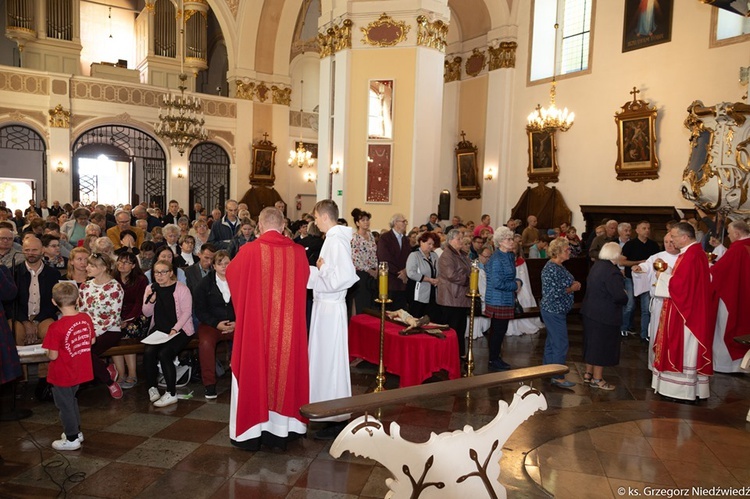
x=80, y=436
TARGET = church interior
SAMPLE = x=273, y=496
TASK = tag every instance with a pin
x=409, y=106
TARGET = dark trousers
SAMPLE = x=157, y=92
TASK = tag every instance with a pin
x=67, y=404
x=164, y=354
x=455, y=317
x=499, y=328
x=104, y=342
x=208, y=337
x=361, y=293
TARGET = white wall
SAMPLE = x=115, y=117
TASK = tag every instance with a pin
x=670, y=75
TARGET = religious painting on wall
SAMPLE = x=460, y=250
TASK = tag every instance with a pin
x=467, y=172
x=542, y=157
x=264, y=161
x=646, y=23
x=378, y=180
x=636, y=141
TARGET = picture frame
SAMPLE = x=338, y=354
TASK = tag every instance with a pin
x=264, y=162
x=378, y=178
x=636, y=141
x=646, y=24
x=543, y=165
x=467, y=172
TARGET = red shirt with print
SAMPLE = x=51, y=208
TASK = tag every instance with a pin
x=71, y=336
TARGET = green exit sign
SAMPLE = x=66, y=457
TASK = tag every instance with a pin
x=340, y=192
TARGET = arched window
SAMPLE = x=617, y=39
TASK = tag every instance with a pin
x=24, y=165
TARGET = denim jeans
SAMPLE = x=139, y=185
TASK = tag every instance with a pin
x=627, y=312
x=556, y=346
x=645, y=302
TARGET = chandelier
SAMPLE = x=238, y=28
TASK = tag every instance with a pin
x=551, y=118
x=181, y=119
x=301, y=157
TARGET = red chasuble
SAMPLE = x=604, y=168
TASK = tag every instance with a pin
x=730, y=280
x=268, y=282
x=689, y=305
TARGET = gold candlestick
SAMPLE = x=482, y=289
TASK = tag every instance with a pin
x=382, y=299
x=472, y=294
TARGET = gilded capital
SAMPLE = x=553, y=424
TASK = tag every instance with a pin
x=281, y=95
x=452, y=69
x=59, y=117
x=431, y=34
x=335, y=38
x=502, y=56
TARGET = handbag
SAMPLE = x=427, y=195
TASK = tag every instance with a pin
x=517, y=309
x=137, y=328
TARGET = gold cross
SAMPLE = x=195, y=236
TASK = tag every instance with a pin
x=634, y=92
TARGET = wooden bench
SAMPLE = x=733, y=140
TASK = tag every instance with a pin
x=368, y=401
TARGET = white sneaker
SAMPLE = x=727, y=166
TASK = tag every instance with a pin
x=153, y=394
x=165, y=400
x=80, y=436
x=66, y=444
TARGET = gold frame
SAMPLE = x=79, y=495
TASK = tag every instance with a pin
x=264, y=163
x=467, y=172
x=385, y=21
x=543, y=165
x=636, y=159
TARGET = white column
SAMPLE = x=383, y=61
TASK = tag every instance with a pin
x=59, y=184
x=496, y=198
x=428, y=120
x=445, y=176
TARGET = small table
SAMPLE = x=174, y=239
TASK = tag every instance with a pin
x=414, y=358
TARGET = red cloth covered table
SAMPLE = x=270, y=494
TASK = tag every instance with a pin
x=414, y=358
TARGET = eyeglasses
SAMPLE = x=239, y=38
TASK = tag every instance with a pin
x=161, y=272
x=9, y=238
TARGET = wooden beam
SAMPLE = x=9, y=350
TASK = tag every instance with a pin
x=367, y=401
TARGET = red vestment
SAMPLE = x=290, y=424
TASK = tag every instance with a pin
x=730, y=281
x=268, y=283
x=689, y=305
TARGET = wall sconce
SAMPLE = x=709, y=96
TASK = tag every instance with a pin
x=489, y=173
x=60, y=167
x=335, y=168
x=180, y=172
x=310, y=176
x=744, y=75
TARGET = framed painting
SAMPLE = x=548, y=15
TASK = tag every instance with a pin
x=636, y=141
x=646, y=23
x=542, y=157
x=467, y=173
x=378, y=189
x=264, y=162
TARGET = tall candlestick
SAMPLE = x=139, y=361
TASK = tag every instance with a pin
x=383, y=280
x=474, y=277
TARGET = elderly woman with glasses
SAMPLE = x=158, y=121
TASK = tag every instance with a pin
x=75, y=230
x=170, y=306
x=502, y=286
x=101, y=298
x=558, y=287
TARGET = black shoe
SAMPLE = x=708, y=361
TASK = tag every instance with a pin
x=498, y=365
x=210, y=392
x=330, y=432
x=43, y=391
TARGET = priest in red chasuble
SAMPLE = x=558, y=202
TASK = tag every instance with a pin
x=682, y=349
x=270, y=373
x=730, y=281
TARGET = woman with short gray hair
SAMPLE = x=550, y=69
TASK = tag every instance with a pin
x=602, y=314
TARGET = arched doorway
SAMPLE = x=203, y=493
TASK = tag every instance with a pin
x=23, y=166
x=135, y=156
x=209, y=176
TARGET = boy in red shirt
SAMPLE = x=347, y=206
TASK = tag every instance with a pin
x=68, y=343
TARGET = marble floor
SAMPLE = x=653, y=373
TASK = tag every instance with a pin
x=588, y=443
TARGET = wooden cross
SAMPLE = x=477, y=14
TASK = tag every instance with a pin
x=265, y=137
x=635, y=93
x=463, y=136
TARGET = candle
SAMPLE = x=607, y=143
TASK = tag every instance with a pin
x=383, y=280
x=474, y=278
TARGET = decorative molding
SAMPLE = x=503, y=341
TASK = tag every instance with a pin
x=226, y=139
x=78, y=119
x=27, y=84
x=60, y=87
x=475, y=62
x=59, y=117
x=244, y=90
x=431, y=34
x=151, y=7
x=142, y=97
x=261, y=91
x=335, y=38
x=452, y=69
x=502, y=56
x=234, y=6
x=385, y=32
x=281, y=95
x=34, y=118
